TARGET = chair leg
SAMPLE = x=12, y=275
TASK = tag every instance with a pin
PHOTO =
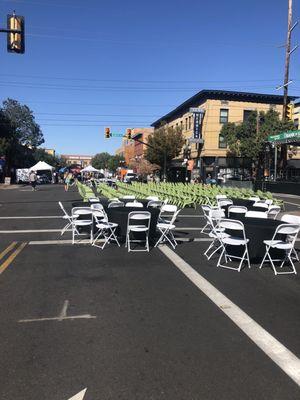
x=265, y=256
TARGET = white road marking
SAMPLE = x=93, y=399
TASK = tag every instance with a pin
x=64, y=309
x=79, y=396
x=34, y=230
x=62, y=316
x=278, y=353
x=35, y=217
x=65, y=241
x=293, y=204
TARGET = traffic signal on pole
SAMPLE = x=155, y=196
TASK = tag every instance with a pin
x=128, y=133
x=107, y=133
x=15, y=40
x=289, y=111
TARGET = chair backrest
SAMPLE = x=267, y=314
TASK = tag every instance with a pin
x=206, y=209
x=269, y=202
x=134, y=204
x=290, y=230
x=221, y=196
x=254, y=198
x=93, y=199
x=169, y=208
x=237, y=210
x=173, y=219
x=224, y=202
x=63, y=208
x=231, y=224
x=114, y=204
x=97, y=206
x=291, y=219
x=86, y=212
x=155, y=204
x=256, y=214
x=261, y=204
x=135, y=216
x=274, y=211
x=154, y=198
x=113, y=199
x=129, y=197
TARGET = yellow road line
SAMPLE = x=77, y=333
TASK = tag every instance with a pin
x=10, y=259
x=7, y=250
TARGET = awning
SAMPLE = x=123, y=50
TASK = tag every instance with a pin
x=285, y=137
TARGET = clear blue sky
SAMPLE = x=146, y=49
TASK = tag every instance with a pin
x=124, y=63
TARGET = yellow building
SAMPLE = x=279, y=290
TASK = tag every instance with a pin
x=220, y=107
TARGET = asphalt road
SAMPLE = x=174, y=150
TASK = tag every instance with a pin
x=133, y=326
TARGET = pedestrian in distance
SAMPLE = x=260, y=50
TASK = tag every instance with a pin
x=33, y=180
x=68, y=180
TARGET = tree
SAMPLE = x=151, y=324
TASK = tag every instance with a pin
x=101, y=160
x=20, y=134
x=165, y=142
x=114, y=162
x=247, y=138
x=144, y=167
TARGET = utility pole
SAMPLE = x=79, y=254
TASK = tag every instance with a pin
x=287, y=59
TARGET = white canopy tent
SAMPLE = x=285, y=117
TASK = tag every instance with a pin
x=89, y=168
x=41, y=166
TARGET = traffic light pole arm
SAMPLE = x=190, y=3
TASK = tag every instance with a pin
x=11, y=31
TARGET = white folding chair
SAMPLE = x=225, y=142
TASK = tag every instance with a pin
x=216, y=233
x=237, y=210
x=154, y=198
x=224, y=203
x=233, y=226
x=206, y=210
x=129, y=197
x=165, y=229
x=138, y=222
x=93, y=199
x=105, y=229
x=274, y=211
x=115, y=204
x=291, y=232
x=154, y=204
x=168, y=209
x=292, y=219
x=134, y=204
x=256, y=214
x=261, y=204
x=254, y=198
x=66, y=217
x=87, y=221
x=221, y=197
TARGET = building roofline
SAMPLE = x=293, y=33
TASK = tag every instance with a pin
x=223, y=95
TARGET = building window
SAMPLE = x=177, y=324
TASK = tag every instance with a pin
x=181, y=125
x=222, y=142
x=186, y=124
x=223, y=115
x=296, y=123
x=190, y=122
x=247, y=114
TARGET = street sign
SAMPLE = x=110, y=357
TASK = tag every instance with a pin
x=116, y=134
x=197, y=125
x=196, y=140
x=285, y=137
x=196, y=110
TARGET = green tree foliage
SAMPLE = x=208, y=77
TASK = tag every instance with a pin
x=19, y=134
x=164, y=140
x=115, y=162
x=107, y=161
x=100, y=160
x=247, y=138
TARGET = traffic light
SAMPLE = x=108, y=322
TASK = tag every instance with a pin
x=107, y=133
x=289, y=111
x=15, y=40
x=128, y=133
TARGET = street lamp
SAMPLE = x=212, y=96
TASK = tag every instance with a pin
x=187, y=155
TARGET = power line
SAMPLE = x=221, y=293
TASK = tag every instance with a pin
x=135, y=80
